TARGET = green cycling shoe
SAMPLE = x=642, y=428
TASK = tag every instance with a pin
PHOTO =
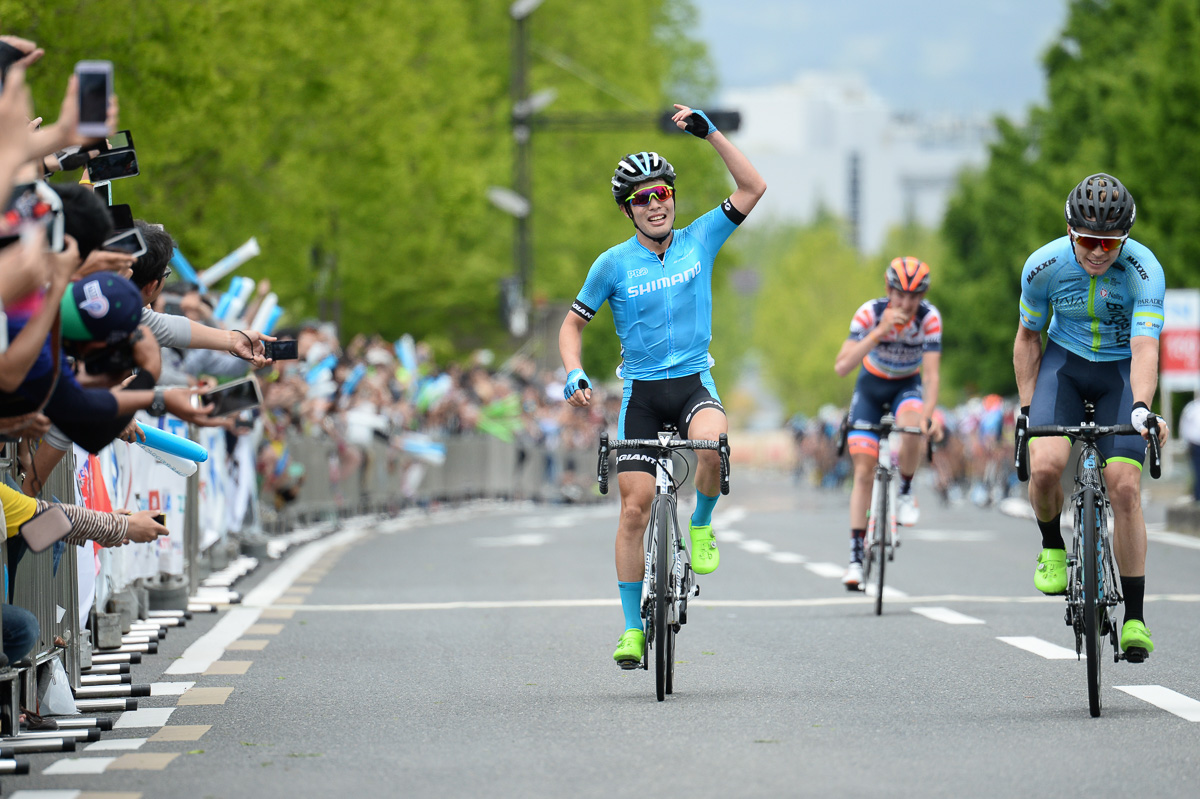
x=1135, y=641
x=705, y=555
x=630, y=649
x=1051, y=574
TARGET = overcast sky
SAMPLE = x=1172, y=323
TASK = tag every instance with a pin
x=924, y=56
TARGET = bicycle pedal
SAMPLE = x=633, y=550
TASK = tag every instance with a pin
x=629, y=665
x=1136, y=654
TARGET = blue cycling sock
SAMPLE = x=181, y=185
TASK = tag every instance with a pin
x=702, y=516
x=631, y=603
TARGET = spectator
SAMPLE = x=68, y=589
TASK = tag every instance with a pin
x=1189, y=430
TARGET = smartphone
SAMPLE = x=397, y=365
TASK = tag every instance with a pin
x=103, y=190
x=9, y=55
x=122, y=217
x=161, y=518
x=95, y=88
x=121, y=140
x=281, y=350
x=43, y=529
x=129, y=241
x=113, y=165
x=233, y=397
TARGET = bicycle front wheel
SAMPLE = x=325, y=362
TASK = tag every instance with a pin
x=883, y=514
x=663, y=636
x=1093, y=606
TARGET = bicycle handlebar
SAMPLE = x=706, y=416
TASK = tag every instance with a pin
x=881, y=428
x=1086, y=432
x=721, y=446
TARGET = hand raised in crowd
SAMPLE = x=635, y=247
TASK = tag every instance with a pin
x=147, y=354
x=106, y=261
x=65, y=130
x=132, y=434
x=179, y=404
x=23, y=266
x=143, y=529
x=248, y=345
x=62, y=265
x=32, y=52
x=15, y=107
x=29, y=425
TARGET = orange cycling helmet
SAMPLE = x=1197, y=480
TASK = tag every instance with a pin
x=908, y=274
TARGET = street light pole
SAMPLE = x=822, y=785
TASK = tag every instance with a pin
x=522, y=139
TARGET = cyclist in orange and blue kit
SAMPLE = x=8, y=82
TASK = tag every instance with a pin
x=898, y=341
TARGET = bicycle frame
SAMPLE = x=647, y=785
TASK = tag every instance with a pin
x=668, y=580
x=1093, y=586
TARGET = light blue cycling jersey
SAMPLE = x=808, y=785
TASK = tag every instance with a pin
x=662, y=309
x=1094, y=317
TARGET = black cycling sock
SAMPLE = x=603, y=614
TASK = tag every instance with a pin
x=1052, y=533
x=905, y=483
x=856, y=545
x=1134, y=589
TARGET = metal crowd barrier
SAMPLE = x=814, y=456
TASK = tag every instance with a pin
x=380, y=479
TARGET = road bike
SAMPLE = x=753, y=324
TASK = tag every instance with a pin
x=1093, y=588
x=882, y=538
x=669, y=580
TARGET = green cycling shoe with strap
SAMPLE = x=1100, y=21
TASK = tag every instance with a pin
x=705, y=555
x=1051, y=574
x=1135, y=641
x=630, y=649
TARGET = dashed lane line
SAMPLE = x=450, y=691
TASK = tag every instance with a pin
x=1041, y=648
x=1185, y=707
x=947, y=616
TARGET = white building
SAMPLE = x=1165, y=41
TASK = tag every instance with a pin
x=811, y=137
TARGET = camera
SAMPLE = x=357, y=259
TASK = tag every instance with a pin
x=114, y=359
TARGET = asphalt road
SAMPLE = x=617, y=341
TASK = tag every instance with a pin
x=469, y=654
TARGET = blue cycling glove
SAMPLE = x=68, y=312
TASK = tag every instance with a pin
x=699, y=125
x=576, y=381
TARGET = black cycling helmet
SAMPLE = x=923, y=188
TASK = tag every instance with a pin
x=637, y=168
x=1101, y=203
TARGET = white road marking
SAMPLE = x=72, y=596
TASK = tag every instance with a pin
x=518, y=540
x=209, y=648
x=76, y=765
x=729, y=516
x=728, y=536
x=1185, y=707
x=786, y=557
x=756, y=547
x=120, y=744
x=1039, y=647
x=146, y=717
x=169, y=688
x=888, y=592
x=826, y=569
x=947, y=616
x=1174, y=539
x=963, y=536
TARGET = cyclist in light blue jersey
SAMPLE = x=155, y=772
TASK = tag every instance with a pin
x=1106, y=292
x=659, y=286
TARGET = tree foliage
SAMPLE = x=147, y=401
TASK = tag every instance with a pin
x=357, y=143
x=1123, y=88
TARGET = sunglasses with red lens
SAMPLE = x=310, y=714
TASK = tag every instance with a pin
x=1105, y=243
x=643, y=196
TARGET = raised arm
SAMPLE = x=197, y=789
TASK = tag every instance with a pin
x=750, y=184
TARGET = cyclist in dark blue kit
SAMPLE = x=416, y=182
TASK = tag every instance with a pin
x=1106, y=291
x=659, y=286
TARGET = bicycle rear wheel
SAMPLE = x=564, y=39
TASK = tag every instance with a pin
x=663, y=634
x=882, y=534
x=1093, y=606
